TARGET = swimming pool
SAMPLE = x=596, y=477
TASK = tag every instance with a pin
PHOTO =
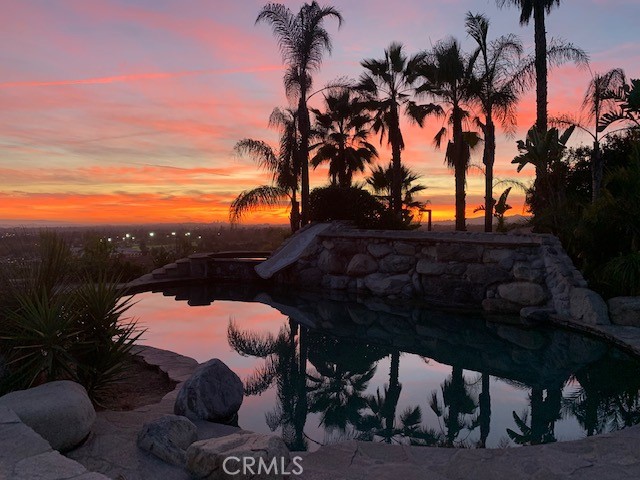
x=323, y=369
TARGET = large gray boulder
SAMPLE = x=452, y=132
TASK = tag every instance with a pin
x=60, y=412
x=267, y=454
x=213, y=393
x=625, y=311
x=168, y=438
x=587, y=307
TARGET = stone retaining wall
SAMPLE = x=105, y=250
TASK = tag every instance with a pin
x=528, y=274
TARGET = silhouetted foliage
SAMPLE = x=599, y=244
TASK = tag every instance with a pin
x=352, y=204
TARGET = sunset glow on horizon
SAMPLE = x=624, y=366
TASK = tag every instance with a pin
x=127, y=111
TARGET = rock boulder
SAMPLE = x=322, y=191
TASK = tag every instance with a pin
x=60, y=412
x=206, y=458
x=625, y=311
x=213, y=393
x=168, y=438
x=586, y=306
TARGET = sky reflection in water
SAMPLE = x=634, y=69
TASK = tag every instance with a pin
x=524, y=370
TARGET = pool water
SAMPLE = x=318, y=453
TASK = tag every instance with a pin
x=318, y=370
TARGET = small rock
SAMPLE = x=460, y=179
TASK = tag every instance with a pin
x=586, y=306
x=361, y=264
x=397, y=263
x=522, y=293
x=168, y=438
x=213, y=393
x=206, y=458
x=428, y=267
x=523, y=271
x=625, y=311
x=403, y=248
x=60, y=412
x=335, y=282
x=383, y=284
x=458, y=253
x=331, y=262
x=379, y=250
x=485, y=274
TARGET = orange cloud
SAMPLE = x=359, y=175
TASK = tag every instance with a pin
x=138, y=77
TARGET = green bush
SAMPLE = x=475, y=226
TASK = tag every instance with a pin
x=352, y=204
x=56, y=326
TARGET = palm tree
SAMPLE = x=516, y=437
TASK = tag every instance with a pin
x=283, y=164
x=343, y=131
x=448, y=77
x=497, y=94
x=337, y=388
x=537, y=9
x=598, y=108
x=456, y=406
x=388, y=84
x=381, y=180
x=303, y=40
x=544, y=152
x=285, y=361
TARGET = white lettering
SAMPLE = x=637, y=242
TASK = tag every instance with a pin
x=297, y=470
x=230, y=472
x=248, y=463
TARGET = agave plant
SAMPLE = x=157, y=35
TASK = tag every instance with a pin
x=105, y=336
x=39, y=334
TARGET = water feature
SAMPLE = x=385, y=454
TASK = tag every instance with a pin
x=321, y=369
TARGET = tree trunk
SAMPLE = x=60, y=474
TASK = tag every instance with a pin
x=301, y=408
x=396, y=147
x=304, y=127
x=460, y=169
x=489, y=160
x=541, y=65
x=597, y=171
x=485, y=410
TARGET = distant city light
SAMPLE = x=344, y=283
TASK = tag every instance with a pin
x=188, y=234
x=173, y=233
x=109, y=239
x=128, y=235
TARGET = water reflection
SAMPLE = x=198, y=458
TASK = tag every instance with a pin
x=334, y=367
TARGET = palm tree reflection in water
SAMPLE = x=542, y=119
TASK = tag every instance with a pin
x=316, y=372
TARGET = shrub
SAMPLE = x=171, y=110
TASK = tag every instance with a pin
x=352, y=204
x=54, y=326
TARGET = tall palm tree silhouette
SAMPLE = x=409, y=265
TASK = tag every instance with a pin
x=343, y=130
x=389, y=85
x=448, y=78
x=283, y=164
x=302, y=40
x=497, y=94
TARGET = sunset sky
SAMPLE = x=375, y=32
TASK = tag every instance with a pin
x=126, y=111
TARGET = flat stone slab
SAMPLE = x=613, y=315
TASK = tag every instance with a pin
x=291, y=251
